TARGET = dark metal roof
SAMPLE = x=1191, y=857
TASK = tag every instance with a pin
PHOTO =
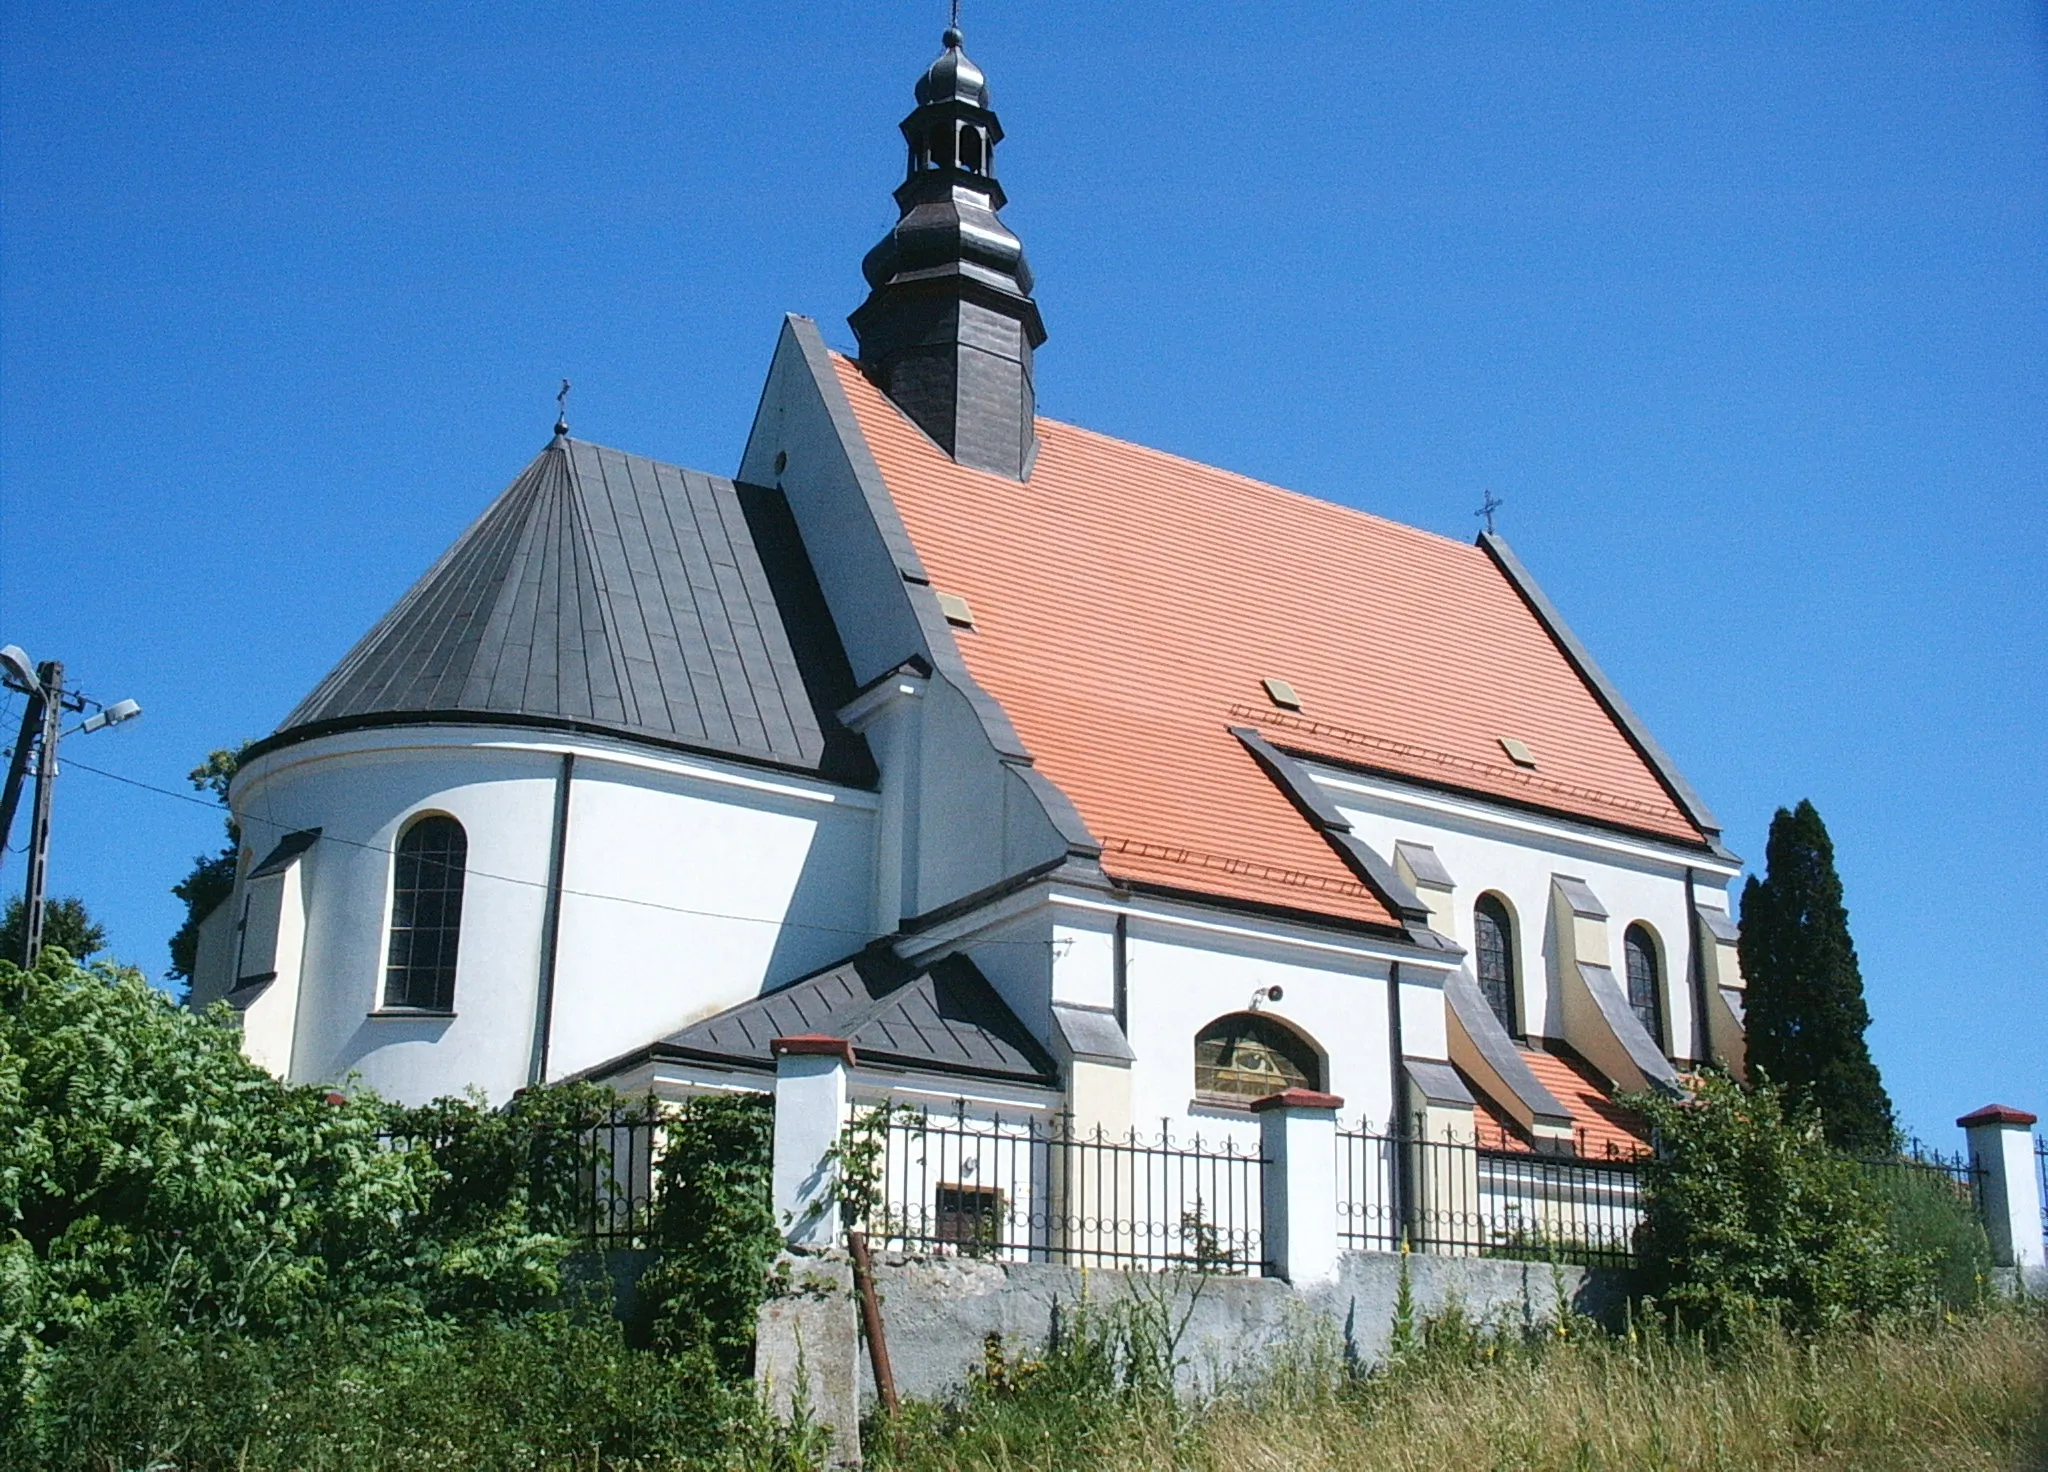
x=611, y=592
x=943, y=1019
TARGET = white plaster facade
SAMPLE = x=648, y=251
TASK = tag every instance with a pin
x=687, y=884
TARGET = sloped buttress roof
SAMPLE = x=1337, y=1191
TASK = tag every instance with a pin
x=943, y=1019
x=610, y=592
x=1127, y=604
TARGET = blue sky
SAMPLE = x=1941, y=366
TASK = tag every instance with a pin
x=1742, y=311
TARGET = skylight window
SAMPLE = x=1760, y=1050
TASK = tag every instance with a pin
x=1282, y=694
x=957, y=611
x=1518, y=752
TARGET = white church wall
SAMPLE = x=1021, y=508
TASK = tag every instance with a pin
x=688, y=890
x=690, y=834
x=361, y=790
x=1180, y=979
x=1488, y=848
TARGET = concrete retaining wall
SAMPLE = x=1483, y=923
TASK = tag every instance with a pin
x=938, y=1314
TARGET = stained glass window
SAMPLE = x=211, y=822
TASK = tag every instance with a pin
x=1246, y=1056
x=1643, y=991
x=1494, y=934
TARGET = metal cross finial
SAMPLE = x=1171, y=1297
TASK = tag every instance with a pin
x=562, y=409
x=1491, y=504
x=956, y=15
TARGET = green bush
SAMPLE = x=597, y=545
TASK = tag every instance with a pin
x=713, y=1229
x=543, y=1390
x=198, y=1262
x=1931, y=1219
x=1748, y=1215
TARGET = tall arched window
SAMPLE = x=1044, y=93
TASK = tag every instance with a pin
x=1247, y=1056
x=426, y=915
x=1645, y=996
x=1494, y=940
x=970, y=150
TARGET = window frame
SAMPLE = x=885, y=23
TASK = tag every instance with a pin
x=1304, y=1048
x=1511, y=981
x=1639, y=936
x=399, y=991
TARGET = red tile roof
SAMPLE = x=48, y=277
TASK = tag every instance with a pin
x=1601, y=1129
x=1128, y=603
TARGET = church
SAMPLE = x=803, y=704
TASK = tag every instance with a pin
x=1031, y=770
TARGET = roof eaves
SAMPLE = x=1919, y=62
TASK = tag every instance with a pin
x=312, y=730
x=1618, y=709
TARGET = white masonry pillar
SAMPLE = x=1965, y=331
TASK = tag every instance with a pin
x=810, y=1110
x=1298, y=1138
x=2002, y=1150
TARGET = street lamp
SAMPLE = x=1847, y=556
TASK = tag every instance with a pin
x=47, y=701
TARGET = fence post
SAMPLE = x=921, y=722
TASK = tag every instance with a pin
x=2009, y=1191
x=810, y=1109
x=1298, y=1138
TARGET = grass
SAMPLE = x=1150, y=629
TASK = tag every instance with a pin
x=1963, y=1395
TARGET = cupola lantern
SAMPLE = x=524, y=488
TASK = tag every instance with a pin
x=949, y=326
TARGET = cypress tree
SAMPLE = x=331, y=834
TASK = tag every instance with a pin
x=1806, y=1015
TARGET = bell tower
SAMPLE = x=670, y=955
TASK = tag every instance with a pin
x=949, y=326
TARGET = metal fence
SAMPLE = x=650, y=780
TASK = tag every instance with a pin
x=1459, y=1199
x=1916, y=1166
x=1031, y=1189
x=594, y=1181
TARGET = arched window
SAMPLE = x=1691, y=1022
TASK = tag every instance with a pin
x=970, y=150
x=1645, y=996
x=426, y=915
x=1494, y=940
x=1246, y=1056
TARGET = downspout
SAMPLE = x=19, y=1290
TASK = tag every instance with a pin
x=1402, y=1183
x=1703, y=1031
x=551, y=923
x=1119, y=985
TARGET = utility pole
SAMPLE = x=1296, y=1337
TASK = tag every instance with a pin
x=47, y=702
x=50, y=673
x=17, y=767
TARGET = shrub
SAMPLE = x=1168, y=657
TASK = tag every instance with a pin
x=1748, y=1214
x=713, y=1228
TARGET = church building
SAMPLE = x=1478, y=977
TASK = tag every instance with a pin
x=1045, y=772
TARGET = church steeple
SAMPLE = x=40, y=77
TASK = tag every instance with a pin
x=949, y=325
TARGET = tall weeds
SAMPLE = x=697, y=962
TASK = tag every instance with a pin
x=1956, y=1394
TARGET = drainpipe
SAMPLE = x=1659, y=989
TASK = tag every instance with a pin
x=1404, y=1164
x=1702, y=1029
x=551, y=923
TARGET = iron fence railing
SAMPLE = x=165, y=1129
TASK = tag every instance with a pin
x=1917, y=1165
x=593, y=1181
x=1035, y=1189
x=1459, y=1198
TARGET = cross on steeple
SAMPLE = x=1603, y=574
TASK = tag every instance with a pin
x=562, y=409
x=1491, y=504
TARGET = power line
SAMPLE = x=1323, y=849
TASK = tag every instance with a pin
x=588, y=894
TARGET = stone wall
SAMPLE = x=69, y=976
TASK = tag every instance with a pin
x=938, y=1314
